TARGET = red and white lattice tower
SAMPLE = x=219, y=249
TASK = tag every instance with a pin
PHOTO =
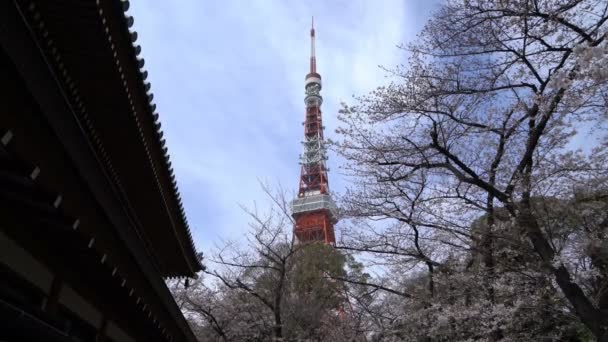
x=314, y=210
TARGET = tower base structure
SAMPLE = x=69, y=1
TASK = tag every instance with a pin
x=315, y=216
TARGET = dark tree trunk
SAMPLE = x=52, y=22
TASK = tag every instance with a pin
x=585, y=310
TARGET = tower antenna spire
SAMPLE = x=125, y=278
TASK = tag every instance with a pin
x=313, y=58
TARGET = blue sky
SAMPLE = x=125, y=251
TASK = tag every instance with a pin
x=228, y=80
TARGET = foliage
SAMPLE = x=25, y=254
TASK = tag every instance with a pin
x=467, y=180
x=272, y=289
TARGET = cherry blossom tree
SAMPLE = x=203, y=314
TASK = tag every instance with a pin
x=270, y=287
x=500, y=106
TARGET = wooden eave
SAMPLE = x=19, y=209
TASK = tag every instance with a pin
x=64, y=139
x=67, y=221
x=91, y=51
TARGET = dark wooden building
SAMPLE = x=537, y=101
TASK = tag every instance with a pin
x=91, y=221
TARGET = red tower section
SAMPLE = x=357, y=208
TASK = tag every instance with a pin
x=314, y=210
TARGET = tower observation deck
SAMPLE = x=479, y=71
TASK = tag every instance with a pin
x=313, y=210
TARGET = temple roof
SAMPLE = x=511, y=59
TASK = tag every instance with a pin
x=80, y=121
x=95, y=56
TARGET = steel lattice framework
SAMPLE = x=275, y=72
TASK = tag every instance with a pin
x=314, y=210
